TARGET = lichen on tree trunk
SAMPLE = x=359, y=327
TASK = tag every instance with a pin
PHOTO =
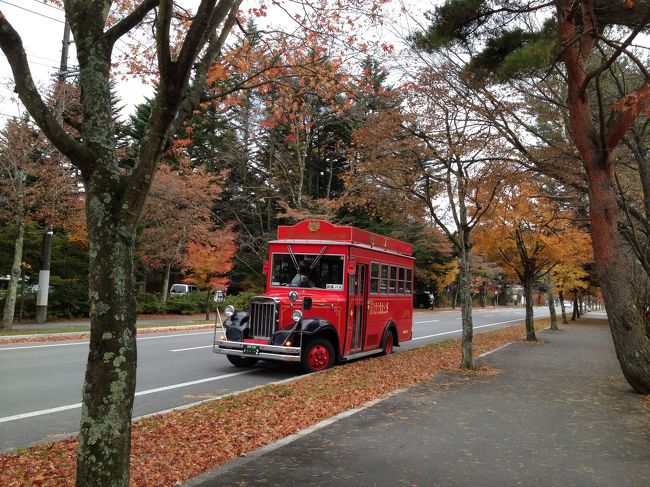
x=109, y=386
x=464, y=283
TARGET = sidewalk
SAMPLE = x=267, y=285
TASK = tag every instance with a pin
x=557, y=414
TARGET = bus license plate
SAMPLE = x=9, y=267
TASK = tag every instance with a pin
x=251, y=350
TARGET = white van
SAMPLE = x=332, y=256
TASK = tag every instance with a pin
x=183, y=289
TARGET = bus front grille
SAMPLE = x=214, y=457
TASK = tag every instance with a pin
x=263, y=318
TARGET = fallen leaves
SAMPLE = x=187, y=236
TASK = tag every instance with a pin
x=170, y=448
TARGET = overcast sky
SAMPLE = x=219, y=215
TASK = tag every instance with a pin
x=41, y=27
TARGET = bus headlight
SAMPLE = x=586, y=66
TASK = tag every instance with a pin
x=230, y=310
x=296, y=315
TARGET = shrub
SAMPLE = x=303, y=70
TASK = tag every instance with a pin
x=187, y=304
x=150, y=303
x=241, y=301
x=68, y=298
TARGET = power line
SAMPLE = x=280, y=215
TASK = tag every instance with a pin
x=49, y=5
x=32, y=11
x=36, y=62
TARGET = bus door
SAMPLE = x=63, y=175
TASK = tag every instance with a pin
x=358, y=300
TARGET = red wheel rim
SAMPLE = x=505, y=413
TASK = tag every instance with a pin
x=389, y=343
x=319, y=357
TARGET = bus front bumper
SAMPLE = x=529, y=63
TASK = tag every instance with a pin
x=256, y=350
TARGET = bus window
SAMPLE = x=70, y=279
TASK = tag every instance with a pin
x=400, y=281
x=409, y=280
x=374, y=277
x=392, y=287
x=383, y=283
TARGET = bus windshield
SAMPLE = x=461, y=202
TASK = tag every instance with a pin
x=307, y=270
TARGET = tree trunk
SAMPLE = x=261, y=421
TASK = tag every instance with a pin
x=530, y=322
x=629, y=328
x=561, y=298
x=551, y=301
x=10, y=302
x=109, y=387
x=464, y=282
x=207, y=306
x=165, y=290
x=574, y=314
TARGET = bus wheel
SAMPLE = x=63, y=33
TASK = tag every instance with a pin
x=317, y=355
x=388, y=343
x=238, y=361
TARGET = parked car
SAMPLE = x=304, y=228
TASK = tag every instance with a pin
x=423, y=300
x=183, y=289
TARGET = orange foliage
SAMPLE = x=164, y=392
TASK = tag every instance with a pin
x=207, y=263
x=529, y=229
x=178, y=210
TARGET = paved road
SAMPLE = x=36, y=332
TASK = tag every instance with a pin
x=41, y=382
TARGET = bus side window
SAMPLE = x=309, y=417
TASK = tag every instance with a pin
x=409, y=280
x=392, y=288
x=383, y=283
x=374, y=277
x=400, y=285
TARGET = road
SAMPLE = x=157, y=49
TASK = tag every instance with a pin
x=41, y=382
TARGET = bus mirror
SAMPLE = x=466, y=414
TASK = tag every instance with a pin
x=306, y=303
x=265, y=267
x=352, y=267
x=219, y=296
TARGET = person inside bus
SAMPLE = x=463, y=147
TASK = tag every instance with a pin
x=301, y=279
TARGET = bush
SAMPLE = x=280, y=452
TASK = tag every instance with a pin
x=187, y=304
x=68, y=298
x=241, y=301
x=150, y=303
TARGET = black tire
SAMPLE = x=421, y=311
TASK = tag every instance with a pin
x=238, y=361
x=389, y=343
x=317, y=355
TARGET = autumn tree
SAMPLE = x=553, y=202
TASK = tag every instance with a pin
x=35, y=185
x=528, y=234
x=178, y=210
x=208, y=263
x=584, y=40
x=434, y=154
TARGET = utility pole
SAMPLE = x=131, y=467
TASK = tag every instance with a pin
x=46, y=252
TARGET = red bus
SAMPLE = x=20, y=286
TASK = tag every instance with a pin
x=333, y=294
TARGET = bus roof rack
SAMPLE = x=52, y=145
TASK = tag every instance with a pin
x=322, y=230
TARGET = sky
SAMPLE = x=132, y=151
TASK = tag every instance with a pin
x=41, y=29
x=41, y=25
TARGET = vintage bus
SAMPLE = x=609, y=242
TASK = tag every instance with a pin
x=333, y=294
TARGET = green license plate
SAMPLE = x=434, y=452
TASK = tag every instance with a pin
x=251, y=350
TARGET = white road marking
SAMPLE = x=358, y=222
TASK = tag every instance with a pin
x=420, y=322
x=42, y=412
x=459, y=331
x=190, y=348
